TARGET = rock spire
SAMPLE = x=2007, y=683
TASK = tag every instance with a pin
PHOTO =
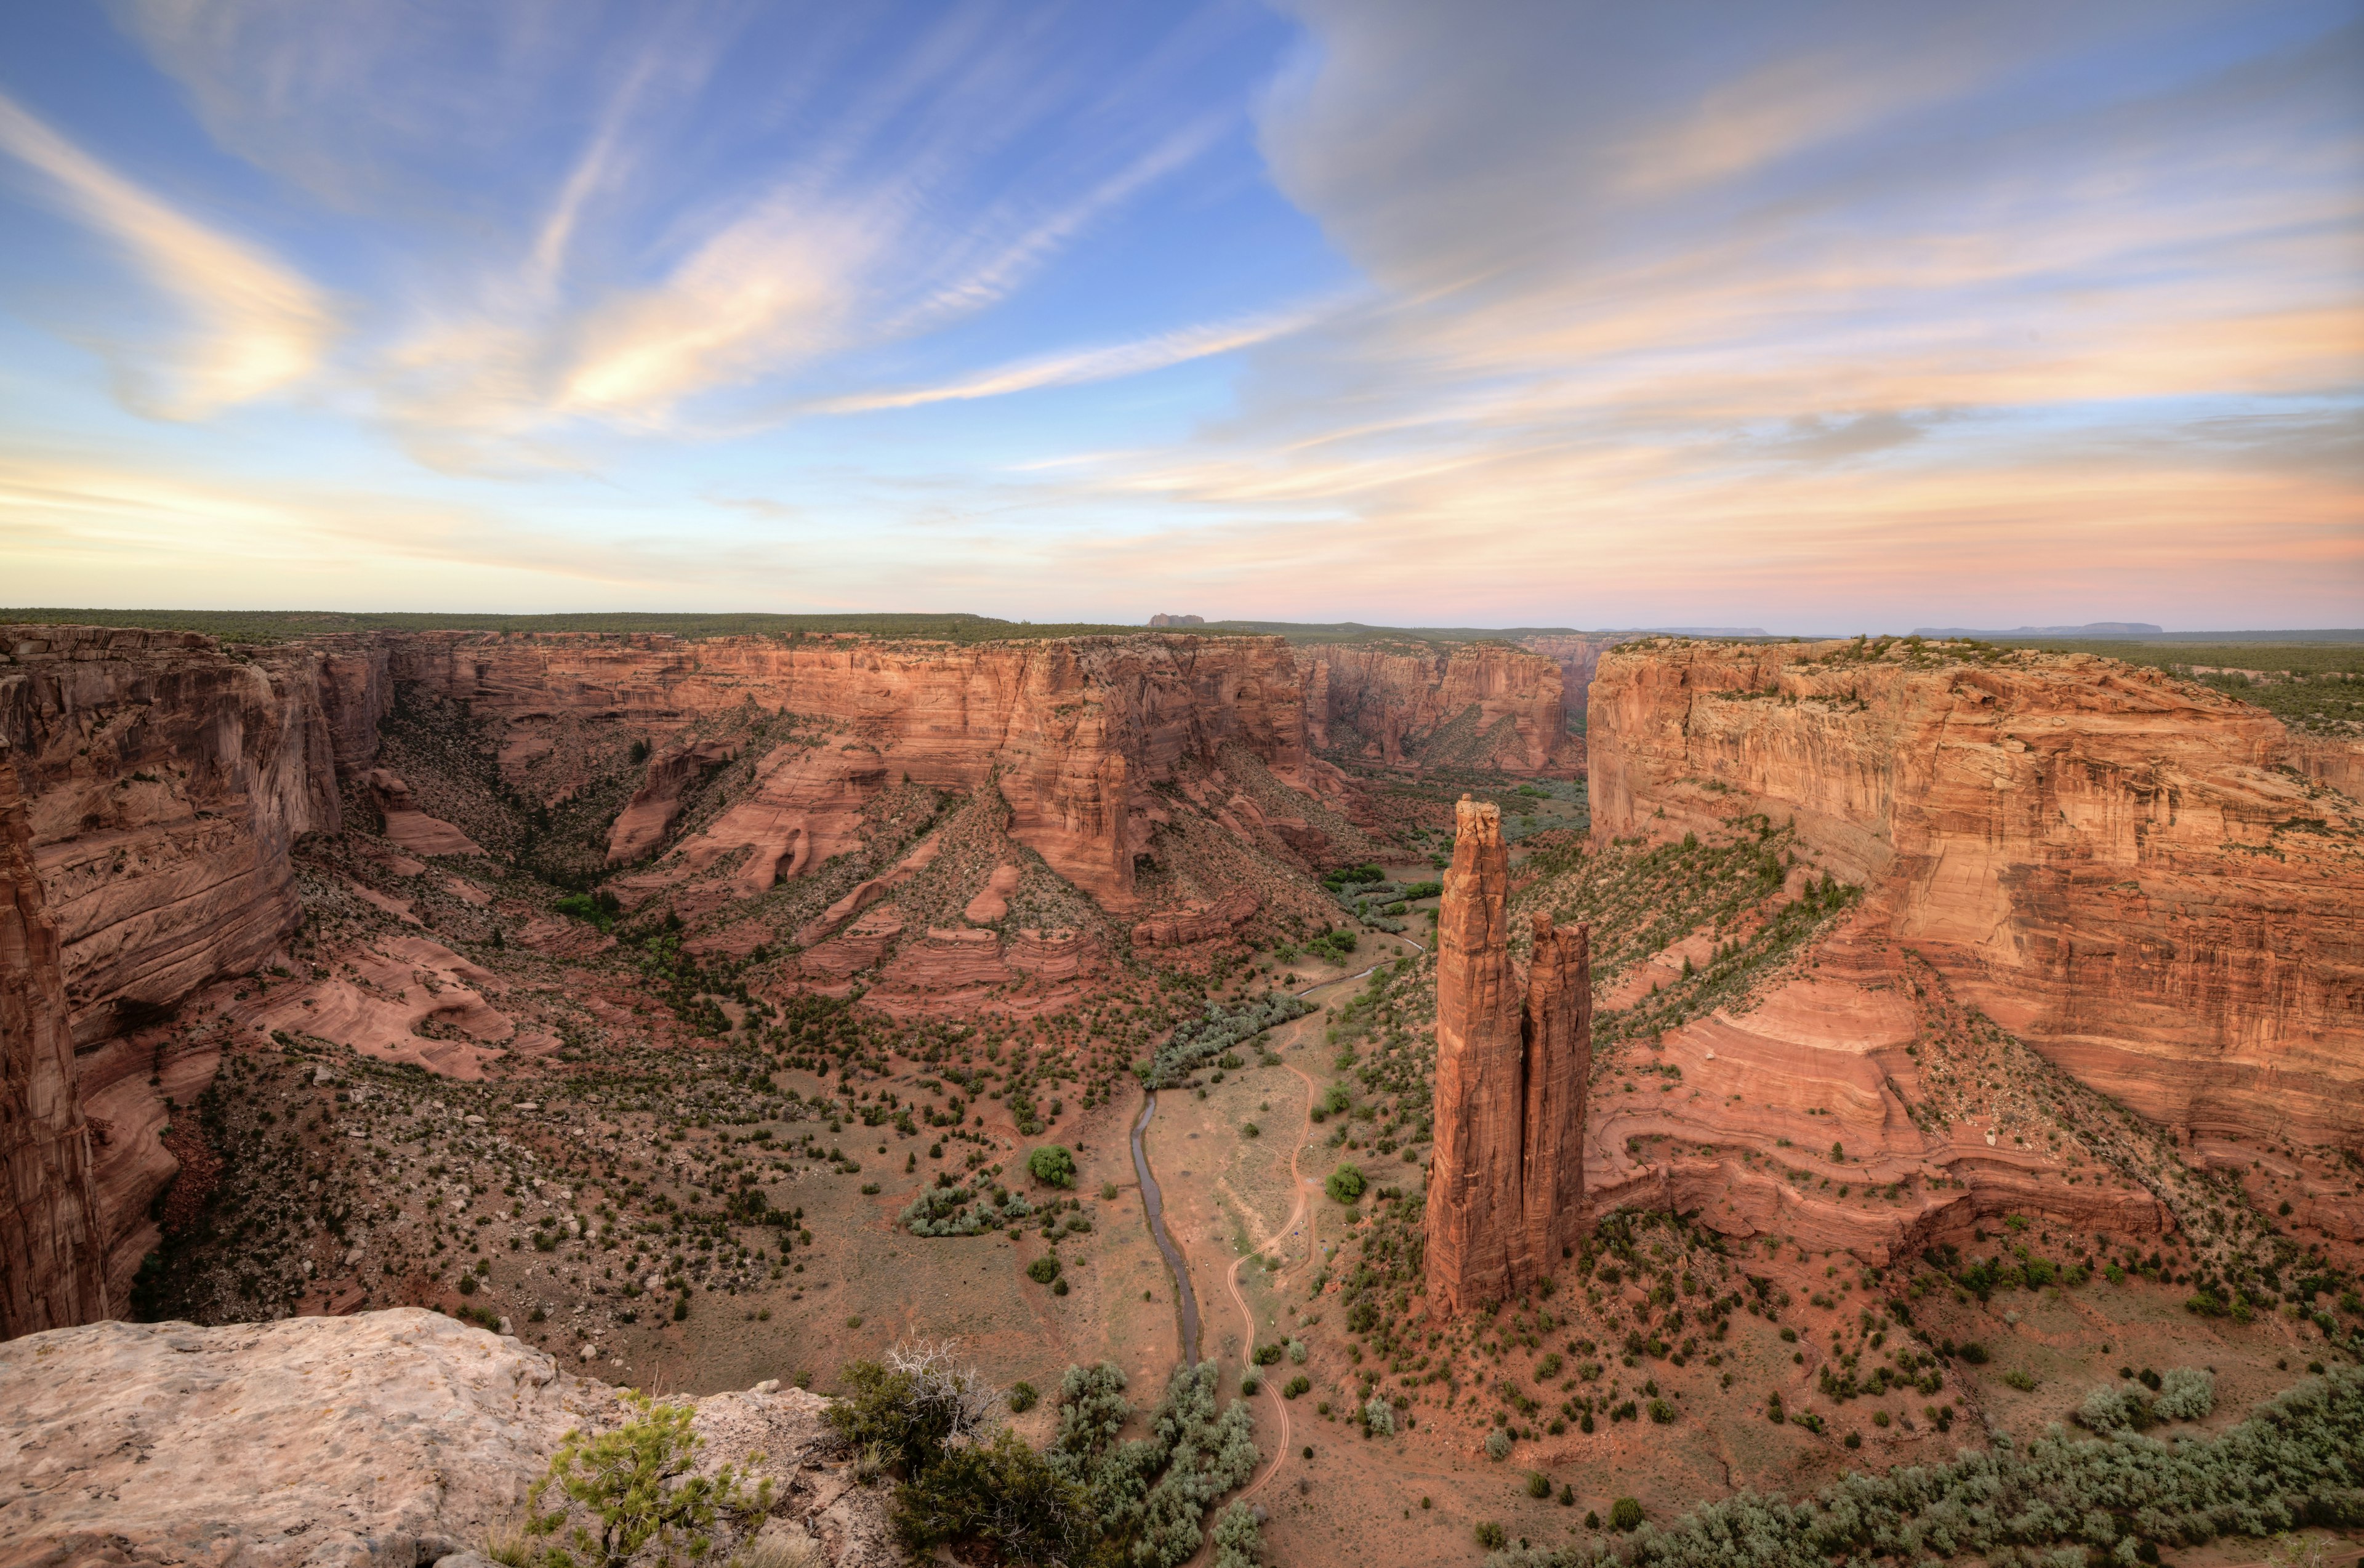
x=1506, y=1187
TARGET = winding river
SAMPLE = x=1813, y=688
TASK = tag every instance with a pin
x=1153, y=1201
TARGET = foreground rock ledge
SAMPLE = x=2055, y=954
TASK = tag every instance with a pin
x=388, y=1438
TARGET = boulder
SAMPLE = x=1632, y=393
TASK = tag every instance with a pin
x=385, y=1440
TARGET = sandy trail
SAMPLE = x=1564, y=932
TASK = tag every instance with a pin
x=1312, y=1241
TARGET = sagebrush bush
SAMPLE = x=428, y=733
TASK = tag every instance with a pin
x=2299, y=1459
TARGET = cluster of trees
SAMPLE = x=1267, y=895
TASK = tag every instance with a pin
x=964, y=1478
x=2060, y=1499
x=1200, y=1040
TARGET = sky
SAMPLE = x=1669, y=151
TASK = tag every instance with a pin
x=1812, y=316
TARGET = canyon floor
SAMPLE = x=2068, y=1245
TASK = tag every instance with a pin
x=594, y=1199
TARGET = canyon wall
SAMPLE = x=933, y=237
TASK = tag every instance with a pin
x=1474, y=704
x=53, y=1267
x=1506, y=1190
x=165, y=780
x=2131, y=872
x=1072, y=730
x=165, y=777
x=1578, y=654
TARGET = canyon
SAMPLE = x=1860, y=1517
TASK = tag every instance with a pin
x=1463, y=705
x=166, y=780
x=583, y=986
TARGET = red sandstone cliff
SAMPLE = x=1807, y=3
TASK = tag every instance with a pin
x=1072, y=730
x=1578, y=654
x=165, y=778
x=53, y=1262
x=1506, y=1187
x=2129, y=870
x=1474, y=704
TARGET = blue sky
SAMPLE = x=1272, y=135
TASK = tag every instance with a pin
x=1812, y=317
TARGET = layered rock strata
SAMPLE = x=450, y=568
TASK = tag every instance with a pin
x=165, y=781
x=1471, y=704
x=646, y=818
x=1506, y=1185
x=410, y=827
x=1072, y=731
x=2131, y=872
x=166, y=778
x=1578, y=654
x=53, y=1256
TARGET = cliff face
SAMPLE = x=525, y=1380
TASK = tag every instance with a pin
x=52, y=1266
x=1476, y=705
x=1578, y=654
x=1074, y=729
x=165, y=781
x=2128, y=870
x=1505, y=1189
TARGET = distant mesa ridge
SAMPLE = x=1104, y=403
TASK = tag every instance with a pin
x=2091, y=629
x=1161, y=619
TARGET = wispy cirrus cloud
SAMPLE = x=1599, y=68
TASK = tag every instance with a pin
x=1812, y=314
x=1083, y=366
x=250, y=325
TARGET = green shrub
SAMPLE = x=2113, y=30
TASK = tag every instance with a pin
x=1236, y=1542
x=1624, y=1514
x=1538, y=1483
x=634, y=1484
x=1345, y=1184
x=1489, y=1535
x=1044, y=1269
x=2185, y=1393
x=2292, y=1461
x=1498, y=1445
x=1052, y=1164
x=1295, y=1386
x=912, y=1404
x=1002, y=1493
x=1022, y=1396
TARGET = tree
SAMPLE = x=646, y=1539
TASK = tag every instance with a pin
x=1053, y=1165
x=915, y=1404
x=635, y=1483
x=1345, y=1183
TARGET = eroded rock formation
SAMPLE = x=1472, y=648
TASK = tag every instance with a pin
x=52, y=1261
x=410, y=827
x=1471, y=704
x=165, y=780
x=1072, y=731
x=1578, y=654
x=1506, y=1186
x=2131, y=872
